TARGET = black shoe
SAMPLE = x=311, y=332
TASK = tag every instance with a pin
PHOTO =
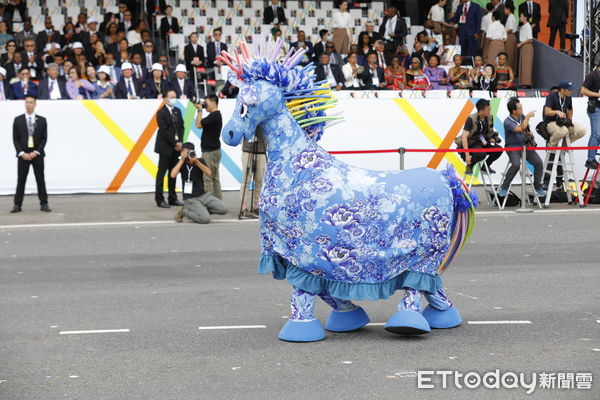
x=490, y=170
x=469, y=170
x=16, y=209
x=45, y=208
x=591, y=164
x=163, y=205
x=175, y=203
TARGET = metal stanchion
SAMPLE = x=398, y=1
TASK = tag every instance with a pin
x=401, y=151
x=522, y=208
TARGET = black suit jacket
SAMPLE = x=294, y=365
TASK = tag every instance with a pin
x=154, y=60
x=367, y=78
x=21, y=137
x=400, y=31
x=39, y=62
x=165, y=27
x=372, y=39
x=151, y=6
x=189, y=54
x=85, y=37
x=269, y=16
x=150, y=91
x=121, y=89
x=558, y=11
x=12, y=71
x=535, y=18
x=318, y=50
x=188, y=88
x=170, y=130
x=8, y=94
x=42, y=39
x=211, y=53
x=145, y=73
x=335, y=70
x=44, y=88
x=309, y=49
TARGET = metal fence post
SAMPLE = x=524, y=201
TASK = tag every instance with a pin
x=401, y=151
x=522, y=208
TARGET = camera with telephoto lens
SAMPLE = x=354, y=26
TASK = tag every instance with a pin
x=192, y=154
x=564, y=122
x=197, y=100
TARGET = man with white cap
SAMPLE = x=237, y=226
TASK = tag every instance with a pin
x=92, y=25
x=5, y=92
x=53, y=86
x=155, y=85
x=128, y=86
x=77, y=49
x=182, y=86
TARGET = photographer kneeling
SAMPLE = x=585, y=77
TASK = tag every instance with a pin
x=198, y=204
x=558, y=115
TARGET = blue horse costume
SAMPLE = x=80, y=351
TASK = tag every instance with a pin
x=336, y=231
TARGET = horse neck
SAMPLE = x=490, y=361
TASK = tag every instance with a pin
x=280, y=143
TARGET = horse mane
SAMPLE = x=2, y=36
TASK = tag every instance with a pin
x=306, y=99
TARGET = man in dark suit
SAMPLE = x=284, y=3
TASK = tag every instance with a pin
x=308, y=46
x=168, y=71
x=139, y=71
x=373, y=76
x=168, y=146
x=30, y=134
x=13, y=67
x=5, y=89
x=193, y=54
x=274, y=14
x=558, y=11
x=24, y=86
x=168, y=23
x=321, y=46
x=214, y=48
x=33, y=59
x=534, y=13
x=183, y=87
x=154, y=8
x=393, y=29
x=49, y=34
x=138, y=48
x=383, y=57
x=149, y=57
x=128, y=86
x=468, y=19
x=92, y=25
x=26, y=33
x=53, y=86
x=498, y=6
x=329, y=72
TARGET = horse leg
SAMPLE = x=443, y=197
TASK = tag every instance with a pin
x=302, y=325
x=441, y=313
x=345, y=316
x=408, y=320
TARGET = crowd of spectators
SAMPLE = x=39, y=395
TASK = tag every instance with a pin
x=119, y=58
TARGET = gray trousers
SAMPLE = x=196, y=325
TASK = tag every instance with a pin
x=198, y=209
x=257, y=174
x=515, y=165
x=212, y=183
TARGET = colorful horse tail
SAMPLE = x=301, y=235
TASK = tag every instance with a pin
x=465, y=203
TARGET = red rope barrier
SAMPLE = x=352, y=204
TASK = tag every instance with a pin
x=484, y=150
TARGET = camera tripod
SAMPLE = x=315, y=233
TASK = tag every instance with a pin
x=250, y=171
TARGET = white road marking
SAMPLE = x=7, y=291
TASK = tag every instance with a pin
x=211, y=328
x=94, y=331
x=376, y=324
x=569, y=210
x=115, y=223
x=498, y=322
x=462, y=294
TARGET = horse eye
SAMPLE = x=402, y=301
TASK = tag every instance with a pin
x=243, y=111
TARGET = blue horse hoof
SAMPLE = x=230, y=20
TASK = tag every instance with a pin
x=302, y=331
x=437, y=319
x=346, y=321
x=407, y=322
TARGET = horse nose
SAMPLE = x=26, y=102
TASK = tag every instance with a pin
x=231, y=134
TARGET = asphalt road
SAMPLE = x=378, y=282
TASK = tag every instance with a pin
x=162, y=281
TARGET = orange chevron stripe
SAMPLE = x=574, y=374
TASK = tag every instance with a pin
x=456, y=127
x=134, y=154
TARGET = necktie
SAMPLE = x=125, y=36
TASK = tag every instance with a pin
x=25, y=88
x=148, y=61
x=530, y=6
x=139, y=71
x=218, y=48
x=465, y=9
x=129, y=89
x=30, y=125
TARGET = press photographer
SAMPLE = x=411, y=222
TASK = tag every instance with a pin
x=210, y=142
x=558, y=115
x=198, y=204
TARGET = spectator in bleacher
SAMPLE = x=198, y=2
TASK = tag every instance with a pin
x=360, y=59
x=486, y=20
x=214, y=48
x=183, y=87
x=53, y=86
x=139, y=71
x=122, y=9
x=77, y=49
x=109, y=18
x=516, y=128
x=112, y=35
x=395, y=75
x=321, y=46
x=69, y=37
x=340, y=26
x=49, y=34
x=92, y=28
x=5, y=37
x=352, y=73
x=477, y=70
x=123, y=54
x=139, y=47
x=168, y=23
x=418, y=52
x=155, y=85
x=33, y=59
x=193, y=54
x=79, y=88
x=134, y=36
x=438, y=77
x=468, y=21
x=90, y=74
x=113, y=71
x=276, y=33
x=371, y=33
x=499, y=6
x=459, y=75
x=558, y=110
x=334, y=57
x=104, y=89
x=488, y=80
x=135, y=7
x=511, y=34
x=128, y=87
x=99, y=57
x=558, y=11
x=306, y=45
x=3, y=15
x=149, y=57
x=67, y=65
x=495, y=39
x=24, y=86
x=20, y=5
x=505, y=75
x=331, y=73
x=11, y=49
x=154, y=8
x=167, y=73
x=5, y=89
x=415, y=77
x=274, y=14
x=128, y=22
x=393, y=29
x=26, y=33
x=534, y=15
x=81, y=24
x=437, y=15
x=382, y=54
x=365, y=46
x=428, y=43
x=13, y=67
x=403, y=56
x=525, y=47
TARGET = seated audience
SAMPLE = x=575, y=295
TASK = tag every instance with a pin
x=373, y=76
x=104, y=89
x=459, y=75
x=352, y=72
x=438, y=77
x=329, y=72
x=78, y=88
x=155, y=85
x=395, y=75
x=487, y=81
x=415, y=77
x=24, y=86
x=504, y=73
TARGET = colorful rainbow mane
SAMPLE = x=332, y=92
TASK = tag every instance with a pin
x=306, y=99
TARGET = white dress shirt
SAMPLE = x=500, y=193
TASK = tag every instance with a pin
x=129, y=81
x=437, y=13
x=511, y=24
x=340, y=19
x=496, y=31
x=351, y=80
x=525, y=32
x=390, y=27
x=486, y=20
x=54, y=94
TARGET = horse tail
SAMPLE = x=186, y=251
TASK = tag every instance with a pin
x=465, y=203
